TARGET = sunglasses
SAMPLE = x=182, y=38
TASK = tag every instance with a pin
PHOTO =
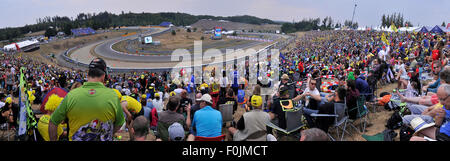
x=313, y=83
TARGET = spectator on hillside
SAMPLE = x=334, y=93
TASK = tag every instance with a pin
x=88, y=106
x=167, y=118
x=313, y=134
x=207, y=121
x=140, y=127
x=252, y=125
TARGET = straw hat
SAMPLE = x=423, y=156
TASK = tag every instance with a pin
x=418, y=125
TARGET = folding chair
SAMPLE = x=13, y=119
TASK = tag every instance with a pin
x=5, y=129
x=340, y=121
x=218, y=138
x=227, y=112
x=362, y=113
x=294, y=122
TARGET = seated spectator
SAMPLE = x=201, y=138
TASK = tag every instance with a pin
x=437, y=66
x=176, y=132
x=312, y=95
x=276, y=111
x=252, y=124
x=324, y=123
x=207, y=121
x=352, y=98
x=140, y=128
x=436, y=113
x=361, y=83
x=444, y=78
x=42, y=126
x=167, y=118
x=229, y=99
x=313, y=134
x=423, y=131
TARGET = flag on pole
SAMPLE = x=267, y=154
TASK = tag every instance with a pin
x=393, y=27
x=383, y=38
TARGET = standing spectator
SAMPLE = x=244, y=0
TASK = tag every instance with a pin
x=184, y=102
x=157, y=103
x=93, y=111
x=132, y=109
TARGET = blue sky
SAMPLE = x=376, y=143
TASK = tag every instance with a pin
x=15, y=13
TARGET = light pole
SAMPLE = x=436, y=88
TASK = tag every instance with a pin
x=354, y=8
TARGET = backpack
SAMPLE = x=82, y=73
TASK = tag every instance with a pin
x=392, y=105
x=395, y=121
x=389, y=135
x=406, y=133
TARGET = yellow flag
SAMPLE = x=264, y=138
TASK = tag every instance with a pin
x=394, y=28
x=383, y=38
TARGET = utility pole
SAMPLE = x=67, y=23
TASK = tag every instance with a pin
x=354, y=8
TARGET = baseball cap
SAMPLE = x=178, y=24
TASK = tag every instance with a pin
x=98, y=63
x=156, y=94
x=256, y=101
x=176, y=132
x=8, y=100
x=144, y=96
x=206, y=98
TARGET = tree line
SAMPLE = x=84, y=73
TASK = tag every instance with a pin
x=106, y=20
x=396, y=19
x=314, y=24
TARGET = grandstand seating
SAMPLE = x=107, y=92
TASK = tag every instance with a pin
x=83, y=31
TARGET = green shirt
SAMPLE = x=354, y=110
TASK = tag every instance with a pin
x=92, y=110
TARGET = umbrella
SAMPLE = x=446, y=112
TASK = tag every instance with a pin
x=58, y=91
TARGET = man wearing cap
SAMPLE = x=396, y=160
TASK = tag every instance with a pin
x=143, y=82
x=93, y=112
x=176, y=132
x=158, y=103
x=167, y=118
x=252, y=125
x=285, y=82
x=276, y=110
x=207, y=121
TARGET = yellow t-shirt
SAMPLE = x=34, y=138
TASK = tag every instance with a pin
x=43, y=127
x=133, y=105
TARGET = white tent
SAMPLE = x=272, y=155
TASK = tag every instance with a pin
x=408, y=29
x=22, y=44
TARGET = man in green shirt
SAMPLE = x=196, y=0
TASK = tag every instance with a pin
x=93, y=111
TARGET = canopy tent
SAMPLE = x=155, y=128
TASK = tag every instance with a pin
x=425, y=29
x=437, y=29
